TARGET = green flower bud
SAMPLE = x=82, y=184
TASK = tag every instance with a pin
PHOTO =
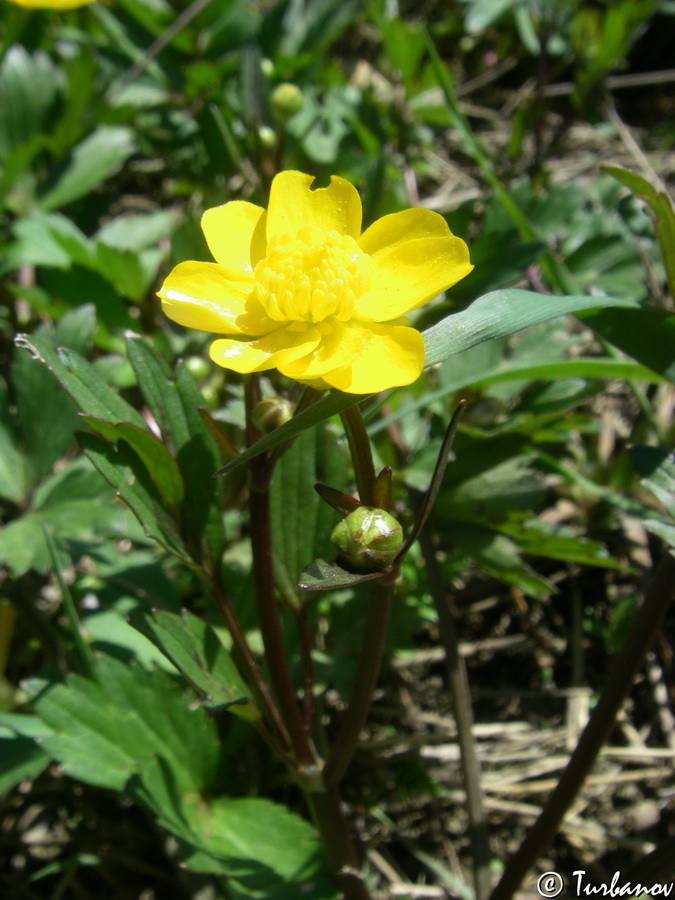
x=198, y=366
x=367, y=540
x=270, y=414
x=285, y=100
x=267, y=136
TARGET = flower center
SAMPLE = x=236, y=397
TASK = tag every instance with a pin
x=312, y=276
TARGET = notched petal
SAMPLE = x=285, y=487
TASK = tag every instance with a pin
x=293, y=204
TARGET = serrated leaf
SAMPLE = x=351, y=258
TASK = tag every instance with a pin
x=175, y=406
x=102, y=730
x=195, y=649
x=162, y=467
x=72, y=504
x=264, y=850
x=92, y=161
x=494, y=315
x=91, y=393
x=125, y=472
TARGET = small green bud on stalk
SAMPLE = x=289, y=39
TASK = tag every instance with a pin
x=270, y=414
x=267, y=67
x=367, y=540
x=285, y=100
x=267, y=137
x=198, y=366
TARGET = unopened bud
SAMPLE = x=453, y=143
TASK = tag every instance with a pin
x=367, y=540
x=285, y=100
x=270, y=414
x=267, y=136
x=198, y=366
x=267, y=67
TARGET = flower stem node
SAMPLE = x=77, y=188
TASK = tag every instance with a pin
x=367, y=540
x=271, y=413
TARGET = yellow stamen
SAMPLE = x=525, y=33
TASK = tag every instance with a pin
x=316, y=275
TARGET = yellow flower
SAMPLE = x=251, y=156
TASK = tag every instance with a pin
x=50, y=4
x=300, y=289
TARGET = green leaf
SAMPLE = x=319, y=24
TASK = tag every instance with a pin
x=92, y=161
x=135, y=232
x=512, y=484
x=13, y=484
x=198, y=460
x=162, y=467
x=494, y=315
x=301, y=521
x=91, y=393
x=501, y=313
x=123, y=269
x=126, y=473
x=657, y=469
x=572, y=368
x=662, y=206
x=321, y=575
x=103, y=730
x=175, y=406
x=265, y=851
x=159, y=392
x=20, y=758
x=648, y=335
x=195, y=649
x=73, y=504
x=29, y=89
x=500, y=557
x=47, y=416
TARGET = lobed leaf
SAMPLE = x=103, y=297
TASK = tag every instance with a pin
x=195, y=649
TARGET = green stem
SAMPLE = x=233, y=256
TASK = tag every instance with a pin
x=626, y=665
x=268, y=612
x=363, y=685
x=341, y=853
x=260, y=473
x=360, y=451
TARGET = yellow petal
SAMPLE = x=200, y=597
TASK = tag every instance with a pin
x=51, y=4
x=269, y=352
x=202, y=295
x=340, y=344
x=293, y=204
x=409, y=273
x=397, y=228
x=377, y=357
x=229, y=231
